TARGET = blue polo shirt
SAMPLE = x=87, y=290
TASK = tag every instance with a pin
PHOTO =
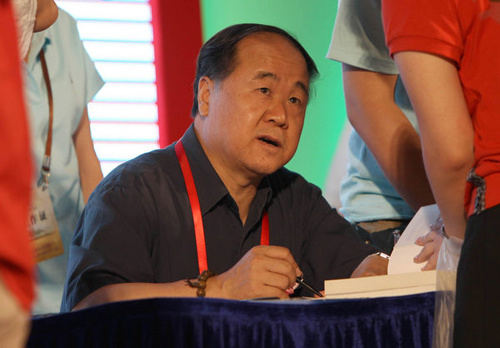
x=138, y=226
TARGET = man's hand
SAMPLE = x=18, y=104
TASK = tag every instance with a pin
x=431, y=243
x=372, y=265
x=264, y=271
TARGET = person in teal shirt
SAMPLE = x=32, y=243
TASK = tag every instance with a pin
x=75, y=169
x=386, y=182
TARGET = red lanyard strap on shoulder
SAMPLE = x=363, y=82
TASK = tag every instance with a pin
x=195, y=206
x=196, y=211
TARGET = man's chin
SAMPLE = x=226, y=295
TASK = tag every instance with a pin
x=262, y=170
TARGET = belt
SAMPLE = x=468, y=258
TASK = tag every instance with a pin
x=380, y=225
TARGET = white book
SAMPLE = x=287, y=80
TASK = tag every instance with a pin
x=404, y=276
x=381, y=286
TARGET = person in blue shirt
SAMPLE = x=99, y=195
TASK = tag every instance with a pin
x=218, y=205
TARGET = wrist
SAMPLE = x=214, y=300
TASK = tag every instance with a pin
x=382, y=255
x=201, y=283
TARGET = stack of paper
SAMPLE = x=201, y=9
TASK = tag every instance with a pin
x=380, y=286
x=405, y=277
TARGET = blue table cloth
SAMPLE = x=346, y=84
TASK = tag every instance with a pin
x=404, y=321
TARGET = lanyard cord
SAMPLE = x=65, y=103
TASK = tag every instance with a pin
x=196, y=211
x=44, y=179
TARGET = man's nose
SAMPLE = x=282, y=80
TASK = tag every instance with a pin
x=277, y=113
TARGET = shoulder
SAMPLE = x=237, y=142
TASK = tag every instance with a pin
x=358, y=37
x=64, y=33
x=64, y=21
x=447, y=22
x=143, y=172
x=286, y=184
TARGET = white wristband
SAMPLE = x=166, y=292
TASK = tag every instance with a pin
x=384, y=255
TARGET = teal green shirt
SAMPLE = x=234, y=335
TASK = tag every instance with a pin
x=75, y=81
x=358, y=40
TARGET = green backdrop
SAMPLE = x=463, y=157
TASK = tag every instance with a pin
x=311, y=22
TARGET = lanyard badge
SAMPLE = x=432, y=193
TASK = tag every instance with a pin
x=42, y=221
x=45, y=231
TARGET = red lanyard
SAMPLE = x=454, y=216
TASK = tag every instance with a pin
x=195, y=209
x=44, y=178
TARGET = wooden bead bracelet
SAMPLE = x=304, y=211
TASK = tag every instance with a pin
x=201, y=283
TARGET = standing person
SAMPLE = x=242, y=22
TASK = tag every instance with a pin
x=74, y=167
x=448, y=54
x=16, y=255
x=218, y=204
x=386, y=180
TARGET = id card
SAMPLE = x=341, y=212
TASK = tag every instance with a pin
x=45, y=232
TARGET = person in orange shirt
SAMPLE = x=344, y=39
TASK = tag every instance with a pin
x=16, y=256
x=448, y=55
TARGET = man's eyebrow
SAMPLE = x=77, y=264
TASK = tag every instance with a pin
x=261, y=75
x=265, y=74
x=302, y=86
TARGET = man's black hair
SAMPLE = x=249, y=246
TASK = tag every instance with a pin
x=217, y=57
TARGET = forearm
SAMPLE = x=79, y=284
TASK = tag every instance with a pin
x=398, y=152
x=387, y=132
x=449, y=188
x=90, y=175
x=88, y=163
x=264, y=271
x=216, y=287
x=135, y=291
x=446, y=130
x=448, y=161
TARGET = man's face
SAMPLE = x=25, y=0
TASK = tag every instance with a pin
x=253, y=119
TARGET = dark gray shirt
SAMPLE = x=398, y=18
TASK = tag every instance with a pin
x=138, y=227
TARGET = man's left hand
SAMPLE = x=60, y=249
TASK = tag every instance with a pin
x=372, y=265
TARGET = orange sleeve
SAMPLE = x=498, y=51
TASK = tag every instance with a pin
x=16, y=255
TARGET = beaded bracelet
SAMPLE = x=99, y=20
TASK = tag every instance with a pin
x=201, y=283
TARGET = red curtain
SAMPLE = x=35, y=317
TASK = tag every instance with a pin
x=177, y=40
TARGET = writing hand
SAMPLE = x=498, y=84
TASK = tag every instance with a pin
x=264, y=271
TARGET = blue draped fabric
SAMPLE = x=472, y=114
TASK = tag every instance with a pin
x=405, y=321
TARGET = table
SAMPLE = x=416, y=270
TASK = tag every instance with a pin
x=404, y=321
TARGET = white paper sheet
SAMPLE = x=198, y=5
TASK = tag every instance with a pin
x=405, y=249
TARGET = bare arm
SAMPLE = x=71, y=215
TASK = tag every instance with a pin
x=264, y=271
x=387, y=132
x=90, y=169
x=446, y=131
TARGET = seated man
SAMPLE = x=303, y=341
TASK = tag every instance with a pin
x=219, y=199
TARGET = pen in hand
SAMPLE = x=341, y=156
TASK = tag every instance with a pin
x=301, y=281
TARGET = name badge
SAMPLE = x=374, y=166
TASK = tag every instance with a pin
x=45, y=231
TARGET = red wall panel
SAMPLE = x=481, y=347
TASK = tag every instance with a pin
x=177, y=40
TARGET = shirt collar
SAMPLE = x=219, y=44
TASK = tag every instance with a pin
x=211, y=190
x=38, y=42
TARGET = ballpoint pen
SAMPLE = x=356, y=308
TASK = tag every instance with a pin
x=301, y=281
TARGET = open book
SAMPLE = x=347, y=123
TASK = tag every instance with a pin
x=405, y=277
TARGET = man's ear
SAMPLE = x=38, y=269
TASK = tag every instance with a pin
x=205, y=88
